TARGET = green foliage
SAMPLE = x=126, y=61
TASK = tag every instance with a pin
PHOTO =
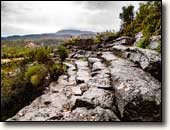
x=159, y=47
x=56, y=70
x=42, y=54
x=63, y=52
x=110, y=35
x=35, y=80
x=38, y=69
x=127, y=17
x=127, y=14
x=147, y=20
x=14, y=52
x=143, y=42
x=71, y=42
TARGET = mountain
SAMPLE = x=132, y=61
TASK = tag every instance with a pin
x=67, y=33
x=74, y=32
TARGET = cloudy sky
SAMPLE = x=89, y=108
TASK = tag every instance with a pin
x=32, y=17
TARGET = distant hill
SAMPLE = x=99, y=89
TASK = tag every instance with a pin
x=62, y=34
x=74, y=32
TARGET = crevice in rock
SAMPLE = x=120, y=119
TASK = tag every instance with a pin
x=81, y=103
x=116, y=110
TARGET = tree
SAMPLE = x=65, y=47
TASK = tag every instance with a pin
x=148, y=18
x=127, y=17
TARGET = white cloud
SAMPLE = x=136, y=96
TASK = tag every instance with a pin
x=30, y=17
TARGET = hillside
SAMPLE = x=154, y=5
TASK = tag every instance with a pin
x=62, y=34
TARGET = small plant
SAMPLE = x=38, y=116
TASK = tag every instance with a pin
x=159, y=47
x=56, y=70
x=36, y=72
x=35, y=80
x=143, y=43
x=63, y=52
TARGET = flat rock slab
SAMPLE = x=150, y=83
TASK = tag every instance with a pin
x=148, y=60
x=135, y=91
x=77, y=91
x=81, y=64
x=108, y=56
x=97, y=114
x=103, y=83
x=98, y=66
x=93, y=60
x=94, y=97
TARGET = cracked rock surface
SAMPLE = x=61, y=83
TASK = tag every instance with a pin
x=114, y=85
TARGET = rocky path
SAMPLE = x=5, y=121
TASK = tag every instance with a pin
x=99, y=86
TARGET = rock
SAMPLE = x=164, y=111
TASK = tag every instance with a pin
x=83, y=72
x=138, y=37
x=83, y=87
x=155, y=42
x=148, y=60
x=103, y=83
x=97, y=66
x=63, y=79
x=81, y=64
x=97, y=114
x=42, y=108
x=82, y=76
x=155, y=38
x=124, y=40
x=77, y=91
x=108, y=56
x=97, y=97
x=153, y=45
x=138, y=94
x=92, y=60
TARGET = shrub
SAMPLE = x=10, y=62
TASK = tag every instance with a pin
x=33, y=70
x=143, y=43
x=56, y=70
x=39, y=69
x=42, y=55
x=63, y=52
x=35, y=80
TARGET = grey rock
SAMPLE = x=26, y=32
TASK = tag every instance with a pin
x=103, y=83
x=135, y=91
x=97, y=97
x=108, y=56
x=97, y=114
x=77, y=91
x=124, y=40
x=154, y=45
x=93, y=60
x=138, y=37
x=83, y=71
x=155, y=42
x=148, y=60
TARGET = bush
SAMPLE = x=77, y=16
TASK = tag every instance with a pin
x=42, y=55
x=35, y=80
x=56, y=70
x=143, y=43
x=39, y=70
x=63, y=52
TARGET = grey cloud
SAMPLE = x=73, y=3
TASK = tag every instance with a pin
x=38, y=17
x=92, y=5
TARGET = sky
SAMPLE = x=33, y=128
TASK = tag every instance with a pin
x=34, y=17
